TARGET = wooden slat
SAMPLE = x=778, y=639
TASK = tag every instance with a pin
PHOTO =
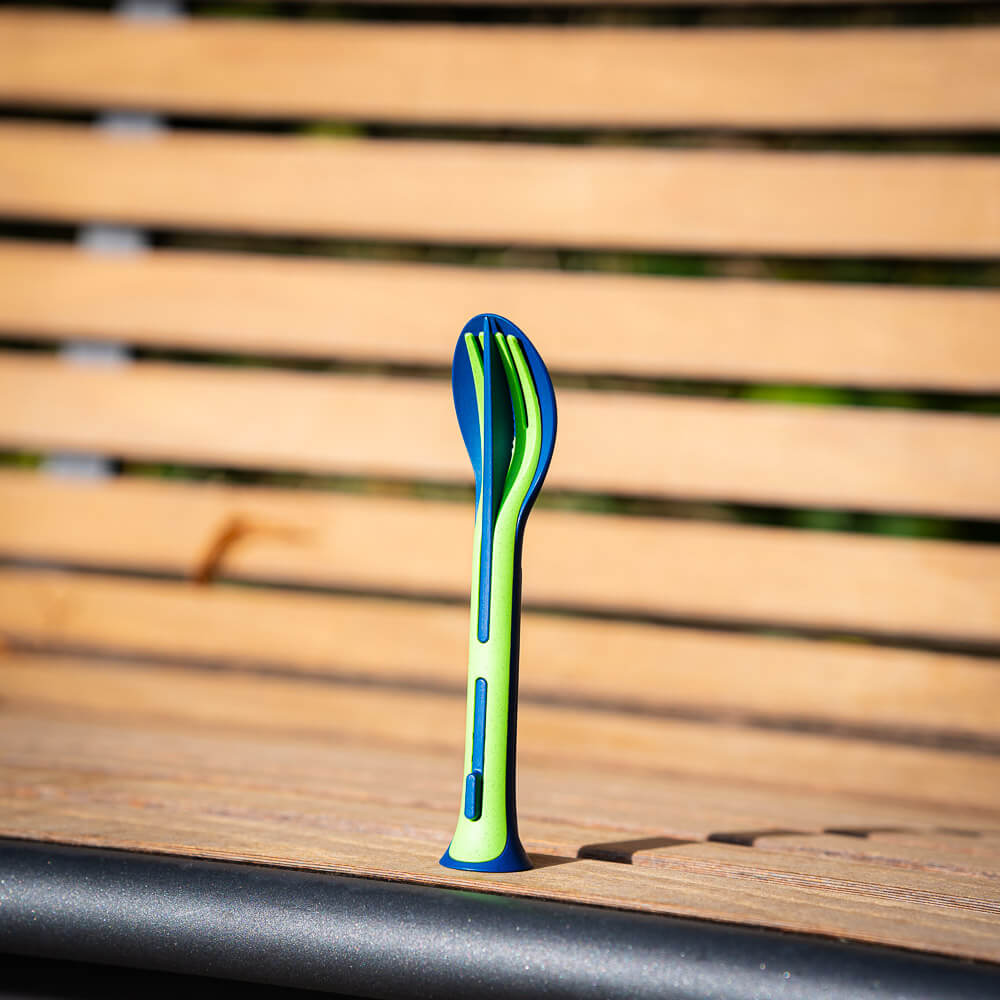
x=861, y=878
x=507, y=193
x=423, y=824
x=612, y=442
x=968, y=849
x=658, y=567
x=498, y=74
x=929, y=855
x=644, y=667
x=428, y=823
x=940, y=338
x=189, y=810
x=611, y=802
x=969, y=843
x=396, y=717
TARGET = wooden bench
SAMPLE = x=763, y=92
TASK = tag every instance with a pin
x=235, y=510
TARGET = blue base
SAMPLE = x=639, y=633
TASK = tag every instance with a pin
x=511, y=859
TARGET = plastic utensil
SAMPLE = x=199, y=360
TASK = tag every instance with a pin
x=507, y=414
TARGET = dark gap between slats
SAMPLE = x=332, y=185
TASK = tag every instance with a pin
x=798, y=138
x=987, y=652
x=851, y=13
x=800, y=394
x=898, y=524
x=337, y=675
x=665, y=14
x=966, y=272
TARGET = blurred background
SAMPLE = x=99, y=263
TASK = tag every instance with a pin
x=750, y=102
x=757, y=244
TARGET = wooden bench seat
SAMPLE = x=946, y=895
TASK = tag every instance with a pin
x=352, y=778
x=235, y=509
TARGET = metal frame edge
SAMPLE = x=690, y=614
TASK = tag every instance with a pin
x=382, y=939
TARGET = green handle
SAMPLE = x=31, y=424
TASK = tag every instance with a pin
x=482, y=835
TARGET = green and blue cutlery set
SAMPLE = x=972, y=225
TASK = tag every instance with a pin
x=507, y=414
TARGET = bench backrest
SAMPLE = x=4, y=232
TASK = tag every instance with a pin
x=285, y=293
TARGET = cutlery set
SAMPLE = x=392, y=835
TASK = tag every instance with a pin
x=507, y=415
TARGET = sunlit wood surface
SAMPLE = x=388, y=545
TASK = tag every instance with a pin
x=362, y=779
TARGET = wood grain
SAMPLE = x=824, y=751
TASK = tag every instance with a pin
x=614, y=442
x=564, y=660
x=970, y=843
x=421, y=720
x=610, y=802
x=924, y=337
x=175, y=797
x=593, y=562
x=861, y=878
x=847, y=78
x=335, y=809
x=930, y=855
x=652, y=199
